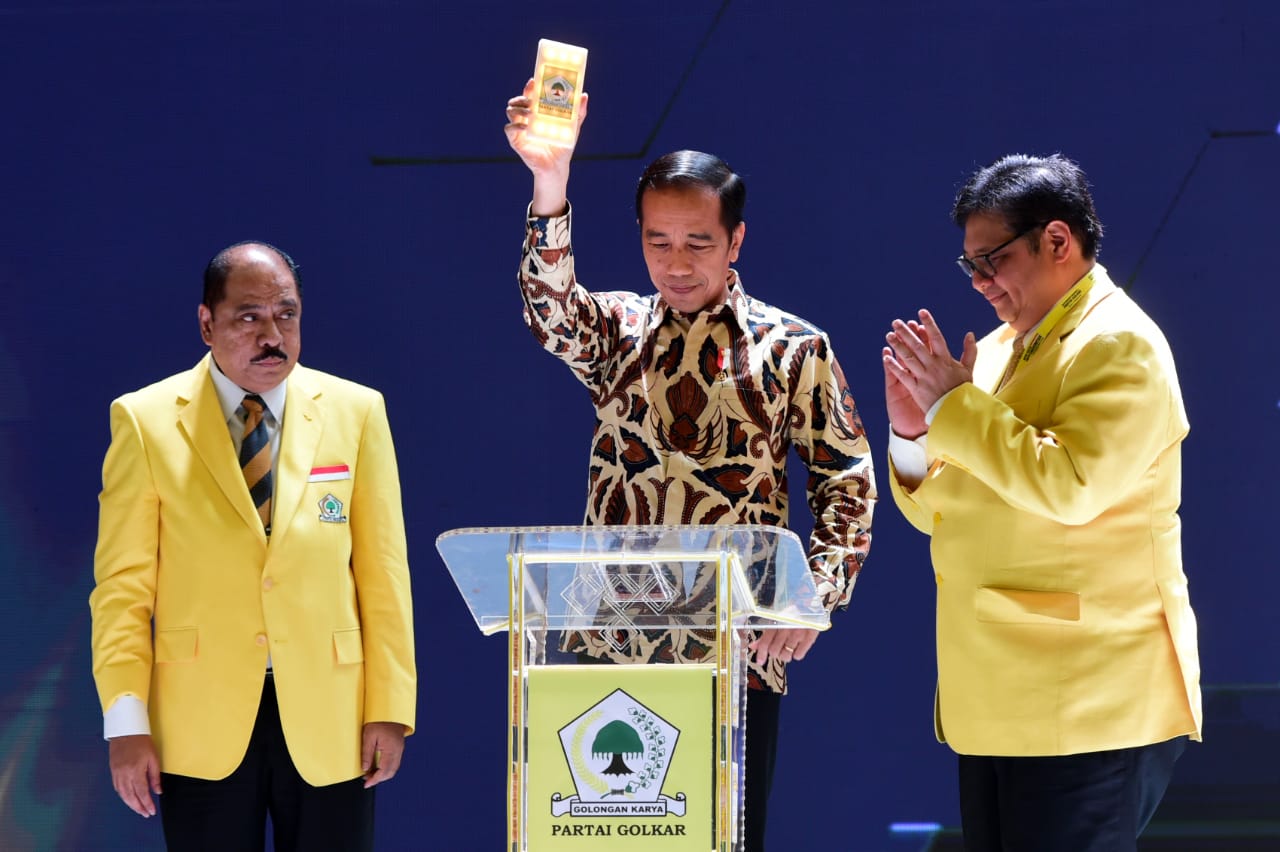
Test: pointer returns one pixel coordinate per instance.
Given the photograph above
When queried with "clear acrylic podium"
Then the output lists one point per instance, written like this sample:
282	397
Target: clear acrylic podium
720	580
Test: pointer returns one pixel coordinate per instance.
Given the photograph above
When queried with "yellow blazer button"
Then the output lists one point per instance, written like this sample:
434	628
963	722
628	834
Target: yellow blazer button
937	578
261	639
937	517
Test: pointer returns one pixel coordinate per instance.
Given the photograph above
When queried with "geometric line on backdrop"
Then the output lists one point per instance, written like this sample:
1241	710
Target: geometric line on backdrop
1177	196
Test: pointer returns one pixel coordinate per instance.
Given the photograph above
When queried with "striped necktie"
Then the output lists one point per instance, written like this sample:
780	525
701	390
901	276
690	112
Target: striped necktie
255	456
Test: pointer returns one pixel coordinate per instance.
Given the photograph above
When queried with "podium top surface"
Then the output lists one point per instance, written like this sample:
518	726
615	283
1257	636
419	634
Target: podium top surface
633	577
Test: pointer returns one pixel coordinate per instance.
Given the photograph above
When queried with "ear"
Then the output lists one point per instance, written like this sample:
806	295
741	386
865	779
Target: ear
1058	240
206	324
735	241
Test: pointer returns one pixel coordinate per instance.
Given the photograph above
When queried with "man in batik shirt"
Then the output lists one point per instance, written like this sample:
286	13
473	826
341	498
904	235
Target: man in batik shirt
700	391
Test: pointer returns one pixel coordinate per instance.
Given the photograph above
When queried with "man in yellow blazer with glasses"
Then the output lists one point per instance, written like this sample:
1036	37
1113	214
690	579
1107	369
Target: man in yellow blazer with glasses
252	626
1045	464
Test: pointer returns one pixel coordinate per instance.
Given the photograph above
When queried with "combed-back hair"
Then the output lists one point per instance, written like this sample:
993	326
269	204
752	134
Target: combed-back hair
694	169
1027	191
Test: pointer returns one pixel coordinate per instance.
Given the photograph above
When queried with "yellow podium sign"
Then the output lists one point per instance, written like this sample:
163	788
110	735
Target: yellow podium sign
619	758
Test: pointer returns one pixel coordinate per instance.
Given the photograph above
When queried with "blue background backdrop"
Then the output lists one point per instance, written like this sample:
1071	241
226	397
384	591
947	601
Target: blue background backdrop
137	138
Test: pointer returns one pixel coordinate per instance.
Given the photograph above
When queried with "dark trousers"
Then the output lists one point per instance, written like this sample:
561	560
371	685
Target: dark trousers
762	749
230	815
1095	802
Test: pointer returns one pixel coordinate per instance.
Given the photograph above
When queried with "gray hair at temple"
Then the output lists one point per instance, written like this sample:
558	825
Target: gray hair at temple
1027	191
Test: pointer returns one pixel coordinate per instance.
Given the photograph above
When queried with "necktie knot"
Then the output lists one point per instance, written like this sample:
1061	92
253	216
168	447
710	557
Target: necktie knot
253	406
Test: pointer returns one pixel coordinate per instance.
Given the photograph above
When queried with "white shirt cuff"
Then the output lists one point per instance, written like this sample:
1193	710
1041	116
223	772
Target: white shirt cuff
127	716
910	458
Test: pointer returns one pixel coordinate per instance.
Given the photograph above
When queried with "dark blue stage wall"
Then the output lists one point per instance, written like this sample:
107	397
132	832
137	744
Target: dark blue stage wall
140	137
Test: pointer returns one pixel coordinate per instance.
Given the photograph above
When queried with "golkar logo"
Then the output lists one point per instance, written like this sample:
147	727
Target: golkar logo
331	510
619	752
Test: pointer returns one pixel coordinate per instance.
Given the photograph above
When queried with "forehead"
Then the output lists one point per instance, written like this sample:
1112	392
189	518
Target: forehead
683	208
261	276
985	231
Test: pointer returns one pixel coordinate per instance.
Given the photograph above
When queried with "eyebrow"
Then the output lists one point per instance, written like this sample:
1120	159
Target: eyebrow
706	237
257	306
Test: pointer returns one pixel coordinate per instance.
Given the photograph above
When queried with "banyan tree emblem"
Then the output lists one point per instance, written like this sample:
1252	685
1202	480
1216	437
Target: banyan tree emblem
619	752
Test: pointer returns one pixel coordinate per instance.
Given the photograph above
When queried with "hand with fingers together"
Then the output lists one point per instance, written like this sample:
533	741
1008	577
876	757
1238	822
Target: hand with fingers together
919	370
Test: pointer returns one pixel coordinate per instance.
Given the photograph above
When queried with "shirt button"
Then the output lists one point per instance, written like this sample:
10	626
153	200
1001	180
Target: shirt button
268	583
261	639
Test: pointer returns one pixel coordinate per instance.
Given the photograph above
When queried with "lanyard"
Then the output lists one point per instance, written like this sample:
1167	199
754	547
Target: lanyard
1069	301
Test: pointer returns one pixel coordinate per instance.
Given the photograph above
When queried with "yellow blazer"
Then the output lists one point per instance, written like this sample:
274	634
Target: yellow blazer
1063	622
181	546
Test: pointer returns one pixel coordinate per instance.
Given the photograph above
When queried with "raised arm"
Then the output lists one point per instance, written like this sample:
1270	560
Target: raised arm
548	163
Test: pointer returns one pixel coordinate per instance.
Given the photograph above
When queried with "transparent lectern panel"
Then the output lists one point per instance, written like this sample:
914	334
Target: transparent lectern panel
633	577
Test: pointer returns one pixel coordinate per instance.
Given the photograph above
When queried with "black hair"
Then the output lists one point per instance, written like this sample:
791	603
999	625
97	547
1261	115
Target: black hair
686	169
1027	191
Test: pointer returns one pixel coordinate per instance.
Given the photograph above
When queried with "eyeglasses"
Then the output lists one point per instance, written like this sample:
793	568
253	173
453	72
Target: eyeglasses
985	264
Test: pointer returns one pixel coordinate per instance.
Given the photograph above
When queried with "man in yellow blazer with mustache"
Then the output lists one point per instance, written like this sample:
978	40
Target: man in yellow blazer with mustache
1045	463
252	626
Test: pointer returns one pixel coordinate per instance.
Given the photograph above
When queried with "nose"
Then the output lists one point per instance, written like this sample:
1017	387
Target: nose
980	281
681	262
269	333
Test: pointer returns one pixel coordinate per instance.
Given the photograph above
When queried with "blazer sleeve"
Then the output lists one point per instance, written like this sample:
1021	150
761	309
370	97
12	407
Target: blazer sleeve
1117	409
124	565
909	501
380	565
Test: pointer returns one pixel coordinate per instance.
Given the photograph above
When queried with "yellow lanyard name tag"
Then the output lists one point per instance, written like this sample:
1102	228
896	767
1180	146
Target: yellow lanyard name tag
1069	301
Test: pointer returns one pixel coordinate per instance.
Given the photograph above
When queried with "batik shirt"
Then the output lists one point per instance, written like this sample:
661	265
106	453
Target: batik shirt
695	415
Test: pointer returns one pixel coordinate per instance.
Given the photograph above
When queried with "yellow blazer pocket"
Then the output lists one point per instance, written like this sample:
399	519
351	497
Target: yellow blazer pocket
177	645
348	647
1026	606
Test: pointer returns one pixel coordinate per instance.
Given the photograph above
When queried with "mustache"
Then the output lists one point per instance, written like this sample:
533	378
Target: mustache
269	352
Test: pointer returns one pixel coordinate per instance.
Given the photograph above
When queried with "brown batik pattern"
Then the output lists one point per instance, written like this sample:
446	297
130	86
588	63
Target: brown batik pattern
694	420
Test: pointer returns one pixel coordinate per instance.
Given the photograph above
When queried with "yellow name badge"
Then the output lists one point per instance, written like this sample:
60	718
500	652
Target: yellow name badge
557	77
620	758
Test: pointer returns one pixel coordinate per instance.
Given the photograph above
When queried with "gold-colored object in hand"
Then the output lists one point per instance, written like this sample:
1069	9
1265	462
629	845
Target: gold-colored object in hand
558	77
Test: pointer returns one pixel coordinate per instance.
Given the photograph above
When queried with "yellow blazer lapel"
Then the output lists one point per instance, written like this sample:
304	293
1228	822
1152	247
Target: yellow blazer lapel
299	441
200	419
989	368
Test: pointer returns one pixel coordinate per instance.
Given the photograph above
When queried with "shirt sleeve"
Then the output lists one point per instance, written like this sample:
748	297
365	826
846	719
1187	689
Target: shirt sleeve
841	487
578	327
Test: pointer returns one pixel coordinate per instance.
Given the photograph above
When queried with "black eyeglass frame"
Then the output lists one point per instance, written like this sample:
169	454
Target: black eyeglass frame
970	265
